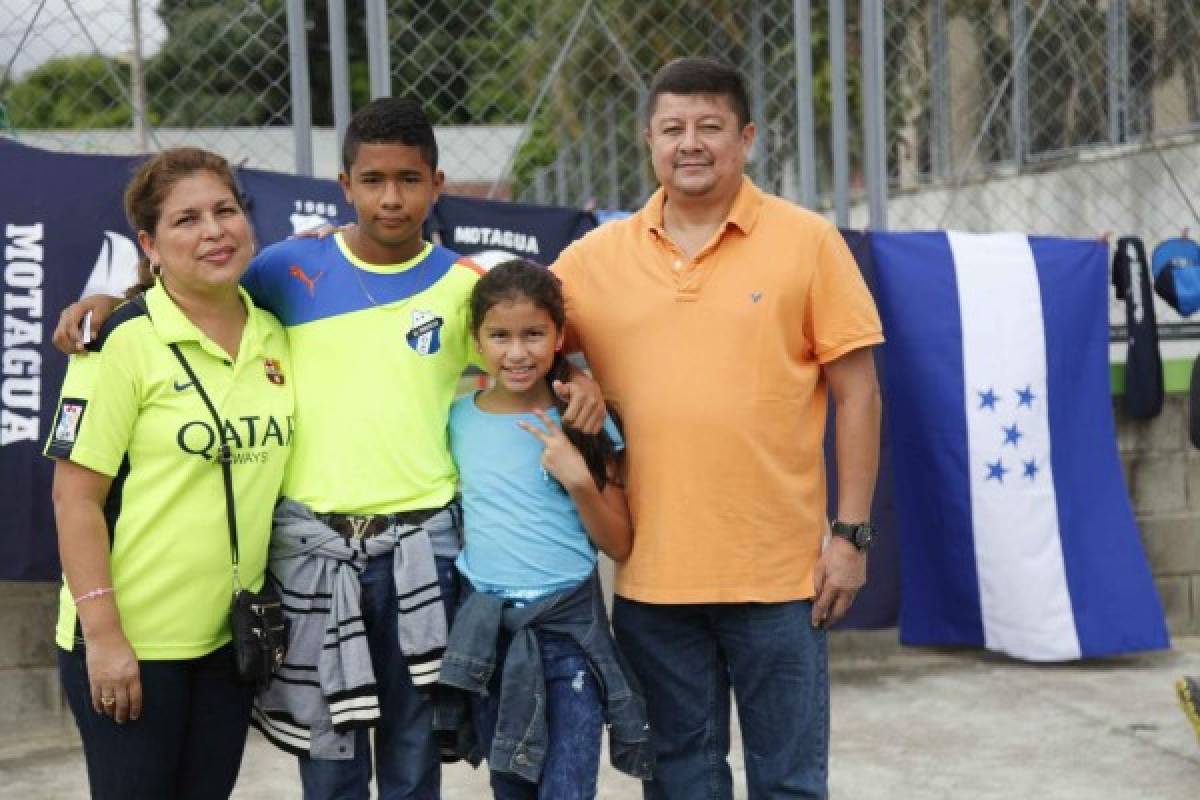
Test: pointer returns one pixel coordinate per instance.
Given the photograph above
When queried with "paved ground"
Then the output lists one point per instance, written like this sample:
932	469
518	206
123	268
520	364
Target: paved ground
907	724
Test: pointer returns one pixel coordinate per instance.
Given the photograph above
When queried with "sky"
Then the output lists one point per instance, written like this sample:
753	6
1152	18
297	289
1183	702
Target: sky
54	29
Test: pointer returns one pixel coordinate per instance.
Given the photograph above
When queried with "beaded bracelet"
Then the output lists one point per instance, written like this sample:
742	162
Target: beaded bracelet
93	594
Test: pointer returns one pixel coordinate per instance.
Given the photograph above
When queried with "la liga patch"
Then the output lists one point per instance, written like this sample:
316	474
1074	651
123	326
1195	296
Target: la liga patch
66	426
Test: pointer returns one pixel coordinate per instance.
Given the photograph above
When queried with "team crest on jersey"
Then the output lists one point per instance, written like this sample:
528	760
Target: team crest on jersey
274	371
425	335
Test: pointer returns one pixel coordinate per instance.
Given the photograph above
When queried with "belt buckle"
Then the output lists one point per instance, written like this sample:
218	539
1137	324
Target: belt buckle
353	526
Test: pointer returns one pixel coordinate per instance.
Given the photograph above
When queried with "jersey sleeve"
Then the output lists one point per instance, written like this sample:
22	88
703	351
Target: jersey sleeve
252	279
842	315
93	424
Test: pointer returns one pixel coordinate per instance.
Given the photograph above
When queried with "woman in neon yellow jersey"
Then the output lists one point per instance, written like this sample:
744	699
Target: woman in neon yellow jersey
143	627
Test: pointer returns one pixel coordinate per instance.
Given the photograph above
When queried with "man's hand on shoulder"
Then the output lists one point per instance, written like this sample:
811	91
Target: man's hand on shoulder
68	335
321	231
838	575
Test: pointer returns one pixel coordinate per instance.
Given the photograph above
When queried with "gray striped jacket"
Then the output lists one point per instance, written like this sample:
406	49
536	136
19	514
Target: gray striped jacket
326	686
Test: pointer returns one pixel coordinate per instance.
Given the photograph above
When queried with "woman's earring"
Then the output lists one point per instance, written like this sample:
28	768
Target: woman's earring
155	269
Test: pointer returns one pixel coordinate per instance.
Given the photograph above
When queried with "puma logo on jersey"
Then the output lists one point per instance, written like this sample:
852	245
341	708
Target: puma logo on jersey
302	276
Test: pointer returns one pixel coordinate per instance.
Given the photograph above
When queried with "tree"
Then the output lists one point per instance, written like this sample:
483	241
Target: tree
75	92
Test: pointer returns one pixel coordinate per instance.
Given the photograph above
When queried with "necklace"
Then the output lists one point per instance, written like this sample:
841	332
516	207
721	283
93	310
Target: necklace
367	292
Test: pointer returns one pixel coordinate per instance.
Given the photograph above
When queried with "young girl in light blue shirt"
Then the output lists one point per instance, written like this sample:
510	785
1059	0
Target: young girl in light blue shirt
538	500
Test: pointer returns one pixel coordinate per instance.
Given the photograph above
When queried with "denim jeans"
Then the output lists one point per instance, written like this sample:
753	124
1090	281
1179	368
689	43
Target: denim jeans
187	744
407	765
574	719
687	658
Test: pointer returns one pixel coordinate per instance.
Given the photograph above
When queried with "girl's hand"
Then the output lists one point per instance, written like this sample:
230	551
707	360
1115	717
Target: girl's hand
114	677
559	456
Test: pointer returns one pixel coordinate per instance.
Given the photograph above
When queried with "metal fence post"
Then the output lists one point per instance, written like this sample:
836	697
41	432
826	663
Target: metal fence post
301	99
840	122
758	94
939	94
137	76
611	154
874	118
379	66
644	187
561	192
806	153
1116	70
339	69
1020	84
588	195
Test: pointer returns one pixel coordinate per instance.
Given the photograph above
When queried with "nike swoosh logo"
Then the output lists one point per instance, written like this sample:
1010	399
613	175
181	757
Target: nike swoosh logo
179	387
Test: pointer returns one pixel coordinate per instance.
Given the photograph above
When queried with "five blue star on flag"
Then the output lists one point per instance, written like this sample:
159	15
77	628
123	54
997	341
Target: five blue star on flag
988	401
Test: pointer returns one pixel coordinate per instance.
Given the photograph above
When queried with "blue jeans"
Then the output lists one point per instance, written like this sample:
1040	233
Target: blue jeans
407	765
188	742
574	719
687	658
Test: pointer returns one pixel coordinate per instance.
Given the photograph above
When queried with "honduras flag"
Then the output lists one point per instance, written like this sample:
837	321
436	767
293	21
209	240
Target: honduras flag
1016	530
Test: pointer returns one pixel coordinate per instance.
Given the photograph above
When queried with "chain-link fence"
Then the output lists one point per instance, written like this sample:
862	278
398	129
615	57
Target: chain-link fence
123	76
1070	117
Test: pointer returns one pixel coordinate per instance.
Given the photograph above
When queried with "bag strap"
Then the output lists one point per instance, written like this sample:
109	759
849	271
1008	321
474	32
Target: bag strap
224	457
224	453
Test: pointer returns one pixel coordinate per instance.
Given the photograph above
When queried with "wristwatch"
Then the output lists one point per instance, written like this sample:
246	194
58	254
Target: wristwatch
859	534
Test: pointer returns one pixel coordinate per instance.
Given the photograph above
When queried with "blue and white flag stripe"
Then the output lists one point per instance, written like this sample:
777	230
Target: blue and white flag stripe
1014	511
1017	533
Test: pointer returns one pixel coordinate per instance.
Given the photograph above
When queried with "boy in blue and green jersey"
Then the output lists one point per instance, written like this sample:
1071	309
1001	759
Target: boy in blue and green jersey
377	318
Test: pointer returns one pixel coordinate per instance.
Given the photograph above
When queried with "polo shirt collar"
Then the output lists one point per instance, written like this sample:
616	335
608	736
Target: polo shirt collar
173	326
742	215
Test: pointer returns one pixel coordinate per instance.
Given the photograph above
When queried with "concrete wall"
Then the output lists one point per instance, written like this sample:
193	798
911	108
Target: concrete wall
1162	471
28	676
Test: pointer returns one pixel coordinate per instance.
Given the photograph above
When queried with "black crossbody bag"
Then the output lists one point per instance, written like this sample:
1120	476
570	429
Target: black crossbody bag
256	618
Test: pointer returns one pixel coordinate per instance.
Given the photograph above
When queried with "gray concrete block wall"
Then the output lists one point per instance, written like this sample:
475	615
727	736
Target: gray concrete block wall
1162	472
28	675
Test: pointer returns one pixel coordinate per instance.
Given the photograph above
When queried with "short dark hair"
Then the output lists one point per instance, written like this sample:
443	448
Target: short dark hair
700	75
390	120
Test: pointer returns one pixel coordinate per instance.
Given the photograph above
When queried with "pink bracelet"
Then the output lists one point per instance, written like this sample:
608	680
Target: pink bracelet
93	594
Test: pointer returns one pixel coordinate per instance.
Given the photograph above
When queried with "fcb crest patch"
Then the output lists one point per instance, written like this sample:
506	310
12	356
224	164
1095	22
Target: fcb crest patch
66	426
425	335
274	371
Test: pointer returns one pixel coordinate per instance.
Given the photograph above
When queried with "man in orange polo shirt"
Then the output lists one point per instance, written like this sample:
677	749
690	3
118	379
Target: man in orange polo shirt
718	319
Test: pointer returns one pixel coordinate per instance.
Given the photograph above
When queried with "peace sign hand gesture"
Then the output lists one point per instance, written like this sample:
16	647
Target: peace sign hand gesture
559	456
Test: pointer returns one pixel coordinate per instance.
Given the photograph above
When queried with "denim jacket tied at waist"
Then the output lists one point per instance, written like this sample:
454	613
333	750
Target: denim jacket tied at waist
519	746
